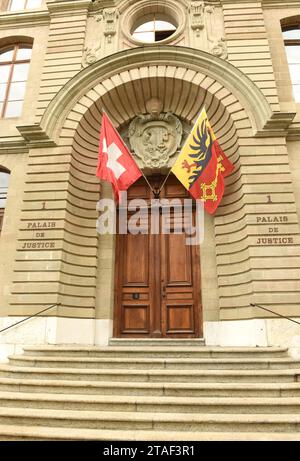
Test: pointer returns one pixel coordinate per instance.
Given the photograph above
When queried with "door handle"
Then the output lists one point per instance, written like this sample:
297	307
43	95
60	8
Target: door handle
163	291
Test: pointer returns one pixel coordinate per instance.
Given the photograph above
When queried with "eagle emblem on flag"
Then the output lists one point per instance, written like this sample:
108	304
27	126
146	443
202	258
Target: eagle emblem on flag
202	165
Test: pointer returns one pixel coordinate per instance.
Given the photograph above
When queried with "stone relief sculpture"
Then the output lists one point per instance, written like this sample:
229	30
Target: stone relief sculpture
155	137
91	55
108	17
219	48
207	25
197	15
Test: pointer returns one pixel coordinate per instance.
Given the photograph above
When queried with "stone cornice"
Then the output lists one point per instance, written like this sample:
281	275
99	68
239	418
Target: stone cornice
280	4
277	125
24	18
34	136
266	3
294	132
68	6
13	145
101	4
235	3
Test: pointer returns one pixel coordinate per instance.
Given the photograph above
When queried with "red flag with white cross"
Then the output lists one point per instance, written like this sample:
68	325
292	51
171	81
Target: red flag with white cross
115	163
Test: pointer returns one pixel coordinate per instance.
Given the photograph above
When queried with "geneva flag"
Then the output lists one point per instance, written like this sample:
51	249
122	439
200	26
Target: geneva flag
202	165
115	163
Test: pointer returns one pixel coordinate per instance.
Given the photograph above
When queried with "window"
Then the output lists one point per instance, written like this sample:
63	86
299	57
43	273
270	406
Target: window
153	21
4	179
16	5
153	31
291	36
14	66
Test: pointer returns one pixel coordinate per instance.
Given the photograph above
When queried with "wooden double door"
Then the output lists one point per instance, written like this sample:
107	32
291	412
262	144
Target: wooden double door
157	275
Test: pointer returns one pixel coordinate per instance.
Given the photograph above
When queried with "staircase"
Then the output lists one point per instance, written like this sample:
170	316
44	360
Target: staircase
150	390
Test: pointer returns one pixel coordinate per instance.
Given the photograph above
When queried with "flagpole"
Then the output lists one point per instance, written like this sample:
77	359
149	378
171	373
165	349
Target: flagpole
165	180
146	179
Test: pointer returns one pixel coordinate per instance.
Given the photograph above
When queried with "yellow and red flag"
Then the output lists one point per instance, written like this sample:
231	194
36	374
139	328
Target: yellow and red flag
202	165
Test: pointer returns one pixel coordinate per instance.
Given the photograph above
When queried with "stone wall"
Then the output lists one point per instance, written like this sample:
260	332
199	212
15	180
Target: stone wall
83	61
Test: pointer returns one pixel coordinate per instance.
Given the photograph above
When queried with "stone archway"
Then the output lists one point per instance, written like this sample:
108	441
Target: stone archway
183	79
183	96
182	91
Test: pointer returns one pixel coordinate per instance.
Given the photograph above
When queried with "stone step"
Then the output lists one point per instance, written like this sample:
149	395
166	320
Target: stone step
209	376
150	421
163	352
123	342
154	363
151	388
10	433
147	404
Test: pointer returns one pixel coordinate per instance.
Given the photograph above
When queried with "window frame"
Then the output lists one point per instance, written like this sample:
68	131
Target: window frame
166	10
15	47
154	30
9	3
291	42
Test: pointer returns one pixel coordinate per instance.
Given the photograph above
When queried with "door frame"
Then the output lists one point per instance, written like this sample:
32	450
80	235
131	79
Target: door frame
117	311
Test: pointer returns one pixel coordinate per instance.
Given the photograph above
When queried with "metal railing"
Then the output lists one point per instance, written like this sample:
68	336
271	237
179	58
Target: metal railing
279	315
30	317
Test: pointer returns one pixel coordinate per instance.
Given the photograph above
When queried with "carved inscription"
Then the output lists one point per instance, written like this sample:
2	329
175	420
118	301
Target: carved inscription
38	245
39	227
273	240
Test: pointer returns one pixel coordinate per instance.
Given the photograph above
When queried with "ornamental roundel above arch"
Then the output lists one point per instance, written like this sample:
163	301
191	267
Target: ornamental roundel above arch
218	78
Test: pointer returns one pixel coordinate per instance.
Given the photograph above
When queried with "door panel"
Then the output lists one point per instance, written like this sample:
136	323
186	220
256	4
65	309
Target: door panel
179	279
177	260
136	274
136	319
157	287
134	284
179	319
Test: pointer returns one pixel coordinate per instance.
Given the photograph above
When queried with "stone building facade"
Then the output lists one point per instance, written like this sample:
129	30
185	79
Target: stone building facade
232	57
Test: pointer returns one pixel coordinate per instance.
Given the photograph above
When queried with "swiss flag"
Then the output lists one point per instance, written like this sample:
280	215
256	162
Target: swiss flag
115	163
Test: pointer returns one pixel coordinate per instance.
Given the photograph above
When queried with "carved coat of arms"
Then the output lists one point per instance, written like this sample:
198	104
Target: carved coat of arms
154	139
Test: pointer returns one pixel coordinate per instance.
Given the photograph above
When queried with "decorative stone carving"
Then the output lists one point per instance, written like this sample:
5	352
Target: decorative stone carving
98	16
155	137
217	45
91	55
207	26
219	48
110	16
96	5
197	15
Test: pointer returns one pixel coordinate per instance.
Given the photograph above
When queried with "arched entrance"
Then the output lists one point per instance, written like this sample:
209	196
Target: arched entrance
184	80
157	275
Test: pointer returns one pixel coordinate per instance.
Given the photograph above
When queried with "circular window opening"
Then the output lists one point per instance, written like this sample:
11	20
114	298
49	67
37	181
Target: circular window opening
153	31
